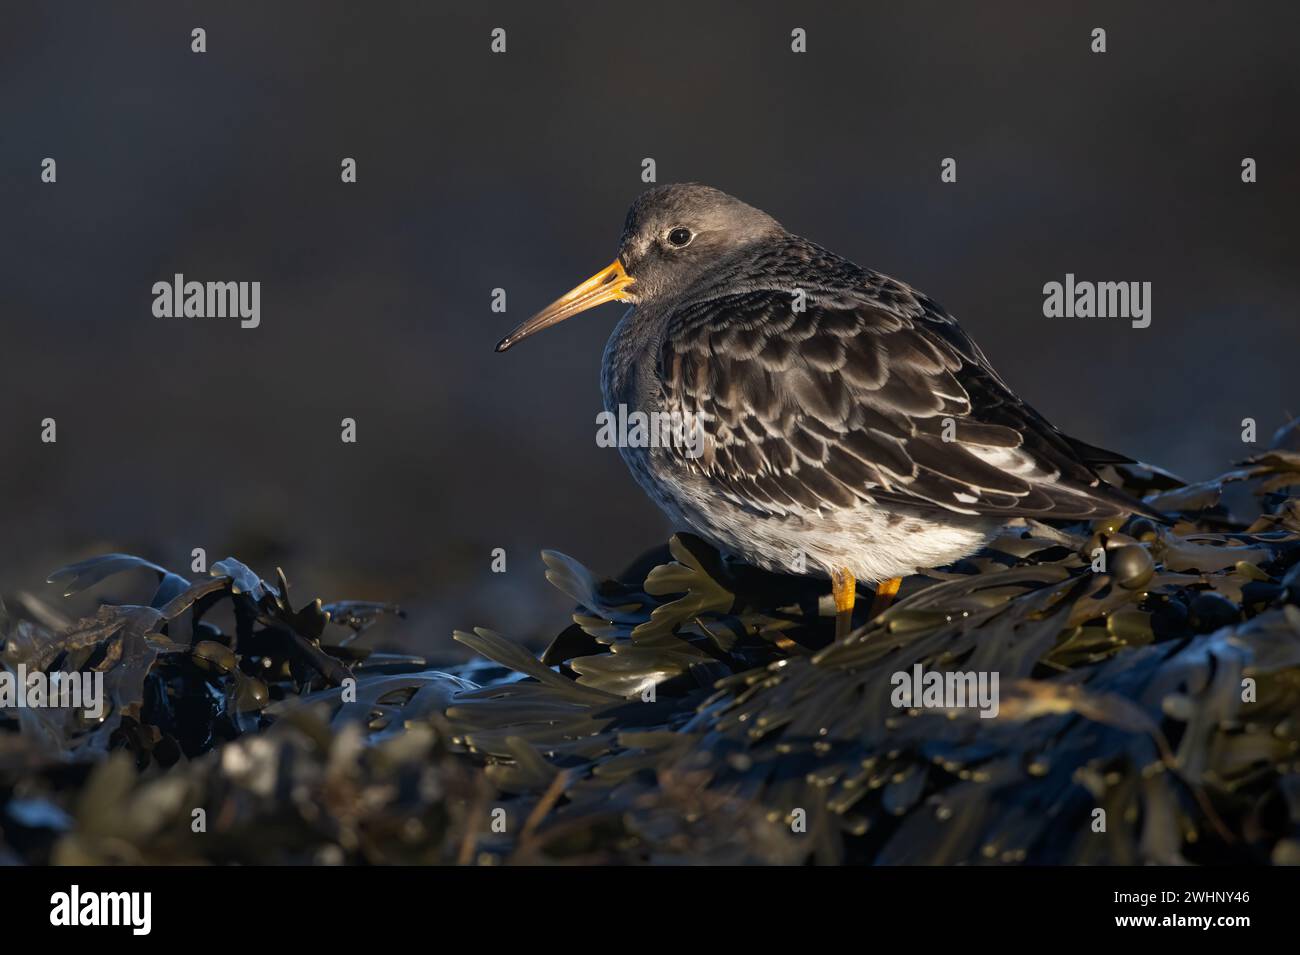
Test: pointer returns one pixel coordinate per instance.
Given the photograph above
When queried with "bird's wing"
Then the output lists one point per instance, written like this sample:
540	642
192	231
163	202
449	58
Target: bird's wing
874	396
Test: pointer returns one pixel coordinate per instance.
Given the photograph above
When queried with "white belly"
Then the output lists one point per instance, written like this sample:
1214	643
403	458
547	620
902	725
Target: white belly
871	541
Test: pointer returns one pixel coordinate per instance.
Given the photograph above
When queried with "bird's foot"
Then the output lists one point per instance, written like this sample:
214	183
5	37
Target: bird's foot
845	590
886	591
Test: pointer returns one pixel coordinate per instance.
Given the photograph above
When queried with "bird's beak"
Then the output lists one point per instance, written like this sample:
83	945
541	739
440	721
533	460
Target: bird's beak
607	285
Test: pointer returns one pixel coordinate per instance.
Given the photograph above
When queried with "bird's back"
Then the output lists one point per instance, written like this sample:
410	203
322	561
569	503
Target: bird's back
821	386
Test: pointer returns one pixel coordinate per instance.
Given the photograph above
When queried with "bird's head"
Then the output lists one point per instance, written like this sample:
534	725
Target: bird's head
673	235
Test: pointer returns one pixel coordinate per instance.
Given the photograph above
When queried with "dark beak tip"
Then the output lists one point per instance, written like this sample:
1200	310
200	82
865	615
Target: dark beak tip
503	345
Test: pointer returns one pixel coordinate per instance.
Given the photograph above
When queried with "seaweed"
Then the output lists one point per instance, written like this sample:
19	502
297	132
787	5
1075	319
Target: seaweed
699	710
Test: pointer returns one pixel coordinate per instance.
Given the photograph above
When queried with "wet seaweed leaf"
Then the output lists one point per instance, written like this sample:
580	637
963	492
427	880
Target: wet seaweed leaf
87	573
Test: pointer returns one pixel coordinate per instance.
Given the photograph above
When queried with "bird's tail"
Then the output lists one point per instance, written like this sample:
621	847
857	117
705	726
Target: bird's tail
1122	499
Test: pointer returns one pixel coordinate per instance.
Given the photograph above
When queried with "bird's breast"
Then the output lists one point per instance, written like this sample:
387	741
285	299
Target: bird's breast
629	368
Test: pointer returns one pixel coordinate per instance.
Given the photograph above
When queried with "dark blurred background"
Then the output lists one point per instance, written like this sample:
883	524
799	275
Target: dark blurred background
479	170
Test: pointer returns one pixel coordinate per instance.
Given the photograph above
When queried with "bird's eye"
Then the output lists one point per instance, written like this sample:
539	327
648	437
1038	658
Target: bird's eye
680	237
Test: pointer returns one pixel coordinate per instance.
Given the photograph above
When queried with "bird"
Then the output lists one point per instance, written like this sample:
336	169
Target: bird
847	428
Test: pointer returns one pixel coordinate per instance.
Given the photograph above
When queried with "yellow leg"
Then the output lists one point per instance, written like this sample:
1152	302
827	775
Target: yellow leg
845	589
886	590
